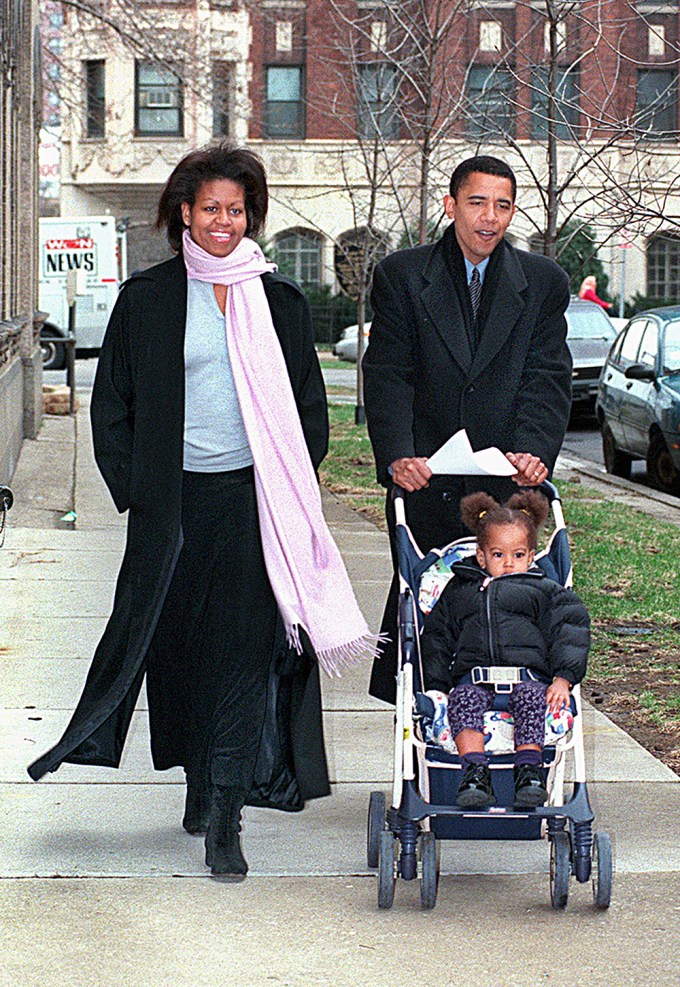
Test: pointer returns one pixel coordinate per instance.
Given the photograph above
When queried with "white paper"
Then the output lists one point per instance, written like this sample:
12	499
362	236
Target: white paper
456	457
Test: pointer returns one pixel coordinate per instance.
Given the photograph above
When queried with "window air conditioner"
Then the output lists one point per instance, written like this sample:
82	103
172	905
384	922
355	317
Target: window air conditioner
160	99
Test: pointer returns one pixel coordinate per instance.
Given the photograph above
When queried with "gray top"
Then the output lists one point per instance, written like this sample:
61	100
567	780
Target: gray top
214	434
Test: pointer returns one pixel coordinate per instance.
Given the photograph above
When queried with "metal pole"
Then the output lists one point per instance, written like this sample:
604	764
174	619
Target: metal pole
622	292
359	410
70	349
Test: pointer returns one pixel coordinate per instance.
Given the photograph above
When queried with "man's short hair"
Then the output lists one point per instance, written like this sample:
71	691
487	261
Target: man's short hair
486	165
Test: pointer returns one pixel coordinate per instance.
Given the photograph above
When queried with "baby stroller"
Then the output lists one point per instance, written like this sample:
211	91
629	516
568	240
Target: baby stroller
403	839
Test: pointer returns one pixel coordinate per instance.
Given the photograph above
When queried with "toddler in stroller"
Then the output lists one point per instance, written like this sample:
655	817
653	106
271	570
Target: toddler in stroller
502	627
500	610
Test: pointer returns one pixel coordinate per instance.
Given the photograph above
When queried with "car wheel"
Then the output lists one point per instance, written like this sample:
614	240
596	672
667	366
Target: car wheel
661	471
615	462
53	353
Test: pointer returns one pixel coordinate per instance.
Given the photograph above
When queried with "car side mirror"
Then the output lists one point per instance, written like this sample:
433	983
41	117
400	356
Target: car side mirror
638	371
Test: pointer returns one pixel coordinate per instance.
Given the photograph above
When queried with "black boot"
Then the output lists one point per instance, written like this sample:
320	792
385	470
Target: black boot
222	845
196	806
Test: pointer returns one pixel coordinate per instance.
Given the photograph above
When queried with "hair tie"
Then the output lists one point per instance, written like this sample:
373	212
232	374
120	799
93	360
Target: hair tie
481	514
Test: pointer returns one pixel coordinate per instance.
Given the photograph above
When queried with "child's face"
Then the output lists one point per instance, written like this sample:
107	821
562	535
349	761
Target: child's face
506	550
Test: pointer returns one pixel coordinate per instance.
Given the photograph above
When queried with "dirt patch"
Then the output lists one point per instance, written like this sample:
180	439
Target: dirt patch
637	685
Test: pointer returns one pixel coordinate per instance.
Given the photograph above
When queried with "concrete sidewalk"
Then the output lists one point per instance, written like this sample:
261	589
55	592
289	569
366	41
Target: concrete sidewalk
146	911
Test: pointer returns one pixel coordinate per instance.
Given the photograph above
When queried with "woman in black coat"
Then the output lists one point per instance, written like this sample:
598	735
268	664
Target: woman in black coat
218	597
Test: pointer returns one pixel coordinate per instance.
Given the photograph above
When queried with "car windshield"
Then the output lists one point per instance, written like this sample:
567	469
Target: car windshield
671	350
589	324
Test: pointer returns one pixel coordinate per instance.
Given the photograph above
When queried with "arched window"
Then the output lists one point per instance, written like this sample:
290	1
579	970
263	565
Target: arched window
298	254
356	254
663	266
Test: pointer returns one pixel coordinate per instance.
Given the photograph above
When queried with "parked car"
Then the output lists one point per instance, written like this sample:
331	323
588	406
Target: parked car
346	346
638	401
589	336
618	323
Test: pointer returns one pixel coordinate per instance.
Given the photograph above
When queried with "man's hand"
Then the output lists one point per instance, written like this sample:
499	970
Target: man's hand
557	695
530	470
411	474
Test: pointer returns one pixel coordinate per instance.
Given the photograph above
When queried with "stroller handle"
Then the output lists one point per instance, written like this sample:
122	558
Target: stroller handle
398	498
547	487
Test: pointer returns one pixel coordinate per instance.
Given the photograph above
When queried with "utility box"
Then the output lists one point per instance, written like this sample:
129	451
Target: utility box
91	247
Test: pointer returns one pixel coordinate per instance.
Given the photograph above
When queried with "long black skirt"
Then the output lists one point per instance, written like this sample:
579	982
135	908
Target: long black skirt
209	661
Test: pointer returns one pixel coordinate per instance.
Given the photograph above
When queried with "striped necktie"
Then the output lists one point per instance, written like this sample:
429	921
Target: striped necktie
475	287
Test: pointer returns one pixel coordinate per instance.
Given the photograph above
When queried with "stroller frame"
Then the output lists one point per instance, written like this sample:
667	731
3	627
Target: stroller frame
400	839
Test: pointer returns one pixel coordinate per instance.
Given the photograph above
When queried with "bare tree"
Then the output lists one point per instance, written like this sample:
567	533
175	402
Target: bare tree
565	86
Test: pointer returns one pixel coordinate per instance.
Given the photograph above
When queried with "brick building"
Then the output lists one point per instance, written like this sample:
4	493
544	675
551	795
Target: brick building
360	110
20	362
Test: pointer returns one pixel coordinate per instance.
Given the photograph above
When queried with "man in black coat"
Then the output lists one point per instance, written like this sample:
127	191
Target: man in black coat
467	333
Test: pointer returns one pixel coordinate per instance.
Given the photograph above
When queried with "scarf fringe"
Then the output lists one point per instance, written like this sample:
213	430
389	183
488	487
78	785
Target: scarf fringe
364	648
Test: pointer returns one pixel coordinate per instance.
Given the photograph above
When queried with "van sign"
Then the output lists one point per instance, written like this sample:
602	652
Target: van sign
89	249
61	256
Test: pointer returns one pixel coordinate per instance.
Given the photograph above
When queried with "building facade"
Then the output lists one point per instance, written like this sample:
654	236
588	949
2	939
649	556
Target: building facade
360	112
20	362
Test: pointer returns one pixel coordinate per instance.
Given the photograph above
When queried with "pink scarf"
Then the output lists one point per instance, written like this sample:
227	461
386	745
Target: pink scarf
304	566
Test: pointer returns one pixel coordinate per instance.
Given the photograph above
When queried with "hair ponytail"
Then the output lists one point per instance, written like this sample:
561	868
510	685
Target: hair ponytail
529	508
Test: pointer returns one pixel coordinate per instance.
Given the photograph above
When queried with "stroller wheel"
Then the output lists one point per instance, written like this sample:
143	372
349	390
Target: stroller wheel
559	869
429	881
386	875
376	825
602	870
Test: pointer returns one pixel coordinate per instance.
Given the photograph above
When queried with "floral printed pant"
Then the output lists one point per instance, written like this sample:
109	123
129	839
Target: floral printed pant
469	703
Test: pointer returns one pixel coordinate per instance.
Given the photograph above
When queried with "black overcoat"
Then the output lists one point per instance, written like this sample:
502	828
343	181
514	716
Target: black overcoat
423	382
138	428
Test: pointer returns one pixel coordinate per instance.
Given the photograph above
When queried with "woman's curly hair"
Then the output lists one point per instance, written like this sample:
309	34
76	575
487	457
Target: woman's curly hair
214	161
529	508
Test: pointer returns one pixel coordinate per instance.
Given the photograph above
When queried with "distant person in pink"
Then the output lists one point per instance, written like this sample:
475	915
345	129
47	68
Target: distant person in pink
588	291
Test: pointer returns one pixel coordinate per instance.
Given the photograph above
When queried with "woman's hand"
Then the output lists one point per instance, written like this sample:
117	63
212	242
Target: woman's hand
530	470
411	473
557	695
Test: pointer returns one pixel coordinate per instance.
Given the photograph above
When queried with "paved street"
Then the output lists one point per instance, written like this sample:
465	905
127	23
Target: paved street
134	904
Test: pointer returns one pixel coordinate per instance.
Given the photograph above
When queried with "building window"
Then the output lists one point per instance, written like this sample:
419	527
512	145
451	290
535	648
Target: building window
95	94
657	104
356	253
298	254
377	111
490	36
656	40
221	98
491	98
663	267
158	101
378	35
561	36
565	107
284	35
284	106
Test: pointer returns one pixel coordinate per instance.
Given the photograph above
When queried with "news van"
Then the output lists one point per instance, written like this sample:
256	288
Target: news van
90	246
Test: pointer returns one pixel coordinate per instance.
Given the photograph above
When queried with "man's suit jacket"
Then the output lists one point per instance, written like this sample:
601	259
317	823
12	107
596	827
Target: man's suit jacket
423	382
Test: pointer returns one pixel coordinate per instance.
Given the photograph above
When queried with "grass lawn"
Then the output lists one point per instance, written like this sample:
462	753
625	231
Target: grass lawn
625	571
